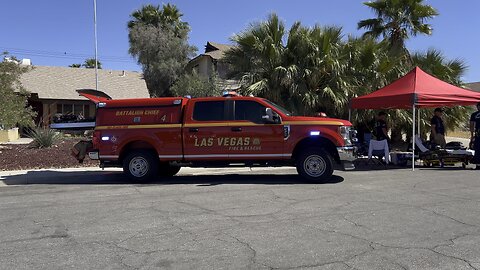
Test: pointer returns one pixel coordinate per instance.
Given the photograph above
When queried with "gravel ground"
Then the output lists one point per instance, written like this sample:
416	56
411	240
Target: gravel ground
24	157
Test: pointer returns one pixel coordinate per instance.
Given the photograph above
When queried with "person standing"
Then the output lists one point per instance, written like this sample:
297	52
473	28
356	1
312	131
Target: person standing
475	135
380	127
438	128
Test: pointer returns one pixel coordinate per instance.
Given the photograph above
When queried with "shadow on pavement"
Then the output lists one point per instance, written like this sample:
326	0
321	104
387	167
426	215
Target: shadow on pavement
447	168
265	179
109	177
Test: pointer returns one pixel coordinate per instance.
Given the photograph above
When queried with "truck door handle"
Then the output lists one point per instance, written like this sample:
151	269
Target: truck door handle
193	129
236	129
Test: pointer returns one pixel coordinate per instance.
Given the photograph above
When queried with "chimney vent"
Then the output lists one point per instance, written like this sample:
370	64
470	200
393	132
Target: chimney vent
26	62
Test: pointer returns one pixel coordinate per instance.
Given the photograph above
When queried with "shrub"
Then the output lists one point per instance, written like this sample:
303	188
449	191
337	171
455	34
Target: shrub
43	137
194	85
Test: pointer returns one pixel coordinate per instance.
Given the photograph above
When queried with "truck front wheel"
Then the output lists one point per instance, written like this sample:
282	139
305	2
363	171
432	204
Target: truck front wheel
315	164
140	166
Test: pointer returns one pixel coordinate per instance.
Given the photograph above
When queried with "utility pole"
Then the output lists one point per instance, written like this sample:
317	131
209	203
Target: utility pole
96	49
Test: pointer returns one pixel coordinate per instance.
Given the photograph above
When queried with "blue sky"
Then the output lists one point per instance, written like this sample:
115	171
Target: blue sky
60	32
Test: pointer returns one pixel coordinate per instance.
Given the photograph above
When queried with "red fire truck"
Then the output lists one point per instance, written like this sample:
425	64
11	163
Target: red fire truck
155	137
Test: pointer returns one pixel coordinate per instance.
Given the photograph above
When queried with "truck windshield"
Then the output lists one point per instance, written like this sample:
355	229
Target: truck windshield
278	107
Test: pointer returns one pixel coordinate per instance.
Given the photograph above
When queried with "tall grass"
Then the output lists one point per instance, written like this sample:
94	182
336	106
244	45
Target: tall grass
44	137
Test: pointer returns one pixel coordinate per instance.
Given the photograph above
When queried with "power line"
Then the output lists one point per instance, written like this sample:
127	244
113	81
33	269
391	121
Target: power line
64	55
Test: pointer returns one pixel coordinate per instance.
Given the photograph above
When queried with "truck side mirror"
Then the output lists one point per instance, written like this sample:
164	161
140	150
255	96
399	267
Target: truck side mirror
271	117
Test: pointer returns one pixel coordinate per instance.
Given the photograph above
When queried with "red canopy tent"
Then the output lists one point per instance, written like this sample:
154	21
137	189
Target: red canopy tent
417	89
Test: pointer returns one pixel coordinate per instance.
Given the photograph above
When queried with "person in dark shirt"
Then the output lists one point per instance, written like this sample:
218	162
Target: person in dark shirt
438	128
380	128
475	135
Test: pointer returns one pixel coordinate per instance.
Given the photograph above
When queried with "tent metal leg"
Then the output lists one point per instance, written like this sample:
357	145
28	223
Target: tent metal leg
419	130
413	138
350	115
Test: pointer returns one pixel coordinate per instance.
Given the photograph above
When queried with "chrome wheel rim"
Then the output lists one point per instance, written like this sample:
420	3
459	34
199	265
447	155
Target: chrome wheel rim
315	165
138	166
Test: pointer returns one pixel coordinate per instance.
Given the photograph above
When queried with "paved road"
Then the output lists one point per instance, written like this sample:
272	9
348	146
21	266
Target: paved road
264	219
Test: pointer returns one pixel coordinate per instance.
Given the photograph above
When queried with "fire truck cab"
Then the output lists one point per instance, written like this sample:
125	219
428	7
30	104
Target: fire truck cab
155	137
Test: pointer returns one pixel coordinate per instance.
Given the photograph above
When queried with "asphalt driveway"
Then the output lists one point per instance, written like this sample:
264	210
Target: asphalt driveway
241	219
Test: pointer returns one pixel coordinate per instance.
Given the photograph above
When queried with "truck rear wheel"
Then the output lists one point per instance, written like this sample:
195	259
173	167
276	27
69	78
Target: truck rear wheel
141	166
315	165
167	170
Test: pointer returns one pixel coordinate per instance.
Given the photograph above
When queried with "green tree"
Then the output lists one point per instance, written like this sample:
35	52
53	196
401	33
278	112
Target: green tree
435	63
191	84
257	59
169	17
300	69
159	40
77	65
315	68
307	68
397	20
90	63
13	96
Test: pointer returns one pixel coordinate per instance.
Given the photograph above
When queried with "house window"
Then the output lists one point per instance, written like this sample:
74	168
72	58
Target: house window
75	109
86	111
67	109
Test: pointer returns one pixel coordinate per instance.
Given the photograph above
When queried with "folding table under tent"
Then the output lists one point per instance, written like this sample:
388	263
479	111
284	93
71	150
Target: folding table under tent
417	89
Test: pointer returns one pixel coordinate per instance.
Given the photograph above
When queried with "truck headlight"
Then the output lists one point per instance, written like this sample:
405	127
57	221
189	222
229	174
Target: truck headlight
349	134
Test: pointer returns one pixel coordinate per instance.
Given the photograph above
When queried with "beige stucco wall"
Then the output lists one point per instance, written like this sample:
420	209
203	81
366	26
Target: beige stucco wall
203	65
9	135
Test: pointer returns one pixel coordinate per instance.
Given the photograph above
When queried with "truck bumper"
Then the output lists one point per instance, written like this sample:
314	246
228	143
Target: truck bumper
347	155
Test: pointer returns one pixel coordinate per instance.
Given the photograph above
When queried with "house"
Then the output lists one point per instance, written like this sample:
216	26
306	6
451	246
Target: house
53	89
475	86
212	62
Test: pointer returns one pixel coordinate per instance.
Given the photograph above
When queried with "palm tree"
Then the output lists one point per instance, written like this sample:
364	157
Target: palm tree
397	20
257	58
371	67
159	41
434	62
315	68
148	15
301	70
90	63
168	16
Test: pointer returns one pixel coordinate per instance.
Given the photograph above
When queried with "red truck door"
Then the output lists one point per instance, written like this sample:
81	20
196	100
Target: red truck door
206	129
255	138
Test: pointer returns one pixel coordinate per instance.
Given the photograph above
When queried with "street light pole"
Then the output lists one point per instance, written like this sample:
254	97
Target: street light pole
96	49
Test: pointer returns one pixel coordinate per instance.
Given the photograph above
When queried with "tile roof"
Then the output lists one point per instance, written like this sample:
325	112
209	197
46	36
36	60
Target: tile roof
62	82
475	86
216	50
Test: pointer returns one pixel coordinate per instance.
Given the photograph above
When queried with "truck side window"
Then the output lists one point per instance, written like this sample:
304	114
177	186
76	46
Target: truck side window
209	111
249	110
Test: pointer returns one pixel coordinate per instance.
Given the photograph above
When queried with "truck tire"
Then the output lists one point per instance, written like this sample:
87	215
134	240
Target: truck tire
167	170
141	166
315	164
